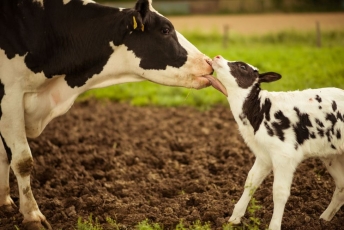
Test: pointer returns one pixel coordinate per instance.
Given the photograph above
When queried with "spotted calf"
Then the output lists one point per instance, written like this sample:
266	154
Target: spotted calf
282	129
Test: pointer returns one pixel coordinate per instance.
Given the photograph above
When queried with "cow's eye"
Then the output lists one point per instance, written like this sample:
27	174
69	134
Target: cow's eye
165	31
243	67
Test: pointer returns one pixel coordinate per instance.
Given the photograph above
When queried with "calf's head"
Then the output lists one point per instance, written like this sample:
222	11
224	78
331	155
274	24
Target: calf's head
165	56
237	74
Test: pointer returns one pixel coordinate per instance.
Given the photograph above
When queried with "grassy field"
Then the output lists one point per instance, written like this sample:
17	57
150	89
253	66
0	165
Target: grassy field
292	54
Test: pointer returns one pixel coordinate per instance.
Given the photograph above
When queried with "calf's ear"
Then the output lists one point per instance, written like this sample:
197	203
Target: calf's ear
269	77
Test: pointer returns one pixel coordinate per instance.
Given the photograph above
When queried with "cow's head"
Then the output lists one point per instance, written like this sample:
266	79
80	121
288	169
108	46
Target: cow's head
163	55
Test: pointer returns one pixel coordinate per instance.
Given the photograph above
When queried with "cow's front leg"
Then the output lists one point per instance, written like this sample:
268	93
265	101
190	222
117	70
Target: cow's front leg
13	135
255	177
6	203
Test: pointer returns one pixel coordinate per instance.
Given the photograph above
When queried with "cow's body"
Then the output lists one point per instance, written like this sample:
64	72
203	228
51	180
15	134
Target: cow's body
51	51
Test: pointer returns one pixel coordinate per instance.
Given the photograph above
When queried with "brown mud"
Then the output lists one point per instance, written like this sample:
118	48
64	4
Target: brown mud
161	164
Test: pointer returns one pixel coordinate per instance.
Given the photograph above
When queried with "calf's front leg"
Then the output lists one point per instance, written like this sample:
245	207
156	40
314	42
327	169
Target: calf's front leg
255	177
283	168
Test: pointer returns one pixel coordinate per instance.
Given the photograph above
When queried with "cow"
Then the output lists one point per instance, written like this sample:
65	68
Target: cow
51	51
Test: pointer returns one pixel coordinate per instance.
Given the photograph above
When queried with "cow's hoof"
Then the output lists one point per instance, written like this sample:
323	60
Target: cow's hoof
36	225
11	208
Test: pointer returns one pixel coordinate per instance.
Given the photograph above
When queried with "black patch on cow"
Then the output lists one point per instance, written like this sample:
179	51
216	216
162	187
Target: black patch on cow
334	106
252	109
301	127
338	134
2	94
318	98
268	129
244	75
281	124
320	107
155	49
58	41
332	146
7	149
319	123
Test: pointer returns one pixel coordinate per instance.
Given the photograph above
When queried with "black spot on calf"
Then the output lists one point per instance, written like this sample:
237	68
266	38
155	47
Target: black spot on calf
320	132
319	123
339	116
269	129
282	124
253	111
301	127
338	134
318	98
334	106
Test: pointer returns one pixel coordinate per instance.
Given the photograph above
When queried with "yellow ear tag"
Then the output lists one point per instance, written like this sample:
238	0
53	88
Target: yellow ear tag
135	23
143	27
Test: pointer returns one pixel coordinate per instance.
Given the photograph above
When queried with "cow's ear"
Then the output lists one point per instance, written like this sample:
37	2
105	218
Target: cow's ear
143	7
269	77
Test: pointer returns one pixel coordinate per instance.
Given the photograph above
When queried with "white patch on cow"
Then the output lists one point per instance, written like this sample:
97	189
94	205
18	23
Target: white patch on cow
126	67
65	2
121	9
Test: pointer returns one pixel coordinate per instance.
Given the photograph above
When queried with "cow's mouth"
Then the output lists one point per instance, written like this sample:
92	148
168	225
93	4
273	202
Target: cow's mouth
216	84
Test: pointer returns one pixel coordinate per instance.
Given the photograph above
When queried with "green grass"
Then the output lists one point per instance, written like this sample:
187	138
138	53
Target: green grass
292	54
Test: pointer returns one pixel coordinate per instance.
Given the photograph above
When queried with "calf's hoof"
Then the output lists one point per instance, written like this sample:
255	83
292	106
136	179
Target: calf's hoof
37	225
234	220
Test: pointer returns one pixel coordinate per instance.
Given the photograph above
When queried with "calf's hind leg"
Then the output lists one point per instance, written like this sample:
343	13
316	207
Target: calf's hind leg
335	166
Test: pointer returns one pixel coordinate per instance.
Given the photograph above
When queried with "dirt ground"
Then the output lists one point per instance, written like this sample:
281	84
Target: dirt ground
162	164
259	23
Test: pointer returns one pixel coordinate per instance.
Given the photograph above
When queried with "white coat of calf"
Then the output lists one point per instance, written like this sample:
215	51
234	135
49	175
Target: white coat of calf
282	129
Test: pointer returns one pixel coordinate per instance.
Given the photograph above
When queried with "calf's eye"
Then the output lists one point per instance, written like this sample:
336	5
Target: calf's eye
165	31
243	67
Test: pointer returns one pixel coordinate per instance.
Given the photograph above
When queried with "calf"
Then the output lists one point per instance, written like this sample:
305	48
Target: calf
282	129
51	51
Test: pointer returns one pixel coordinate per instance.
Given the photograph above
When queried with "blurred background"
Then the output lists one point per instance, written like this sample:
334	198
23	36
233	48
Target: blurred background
187	7
303	40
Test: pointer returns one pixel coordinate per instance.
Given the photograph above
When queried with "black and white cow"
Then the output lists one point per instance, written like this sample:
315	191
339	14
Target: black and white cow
282	129
51	51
